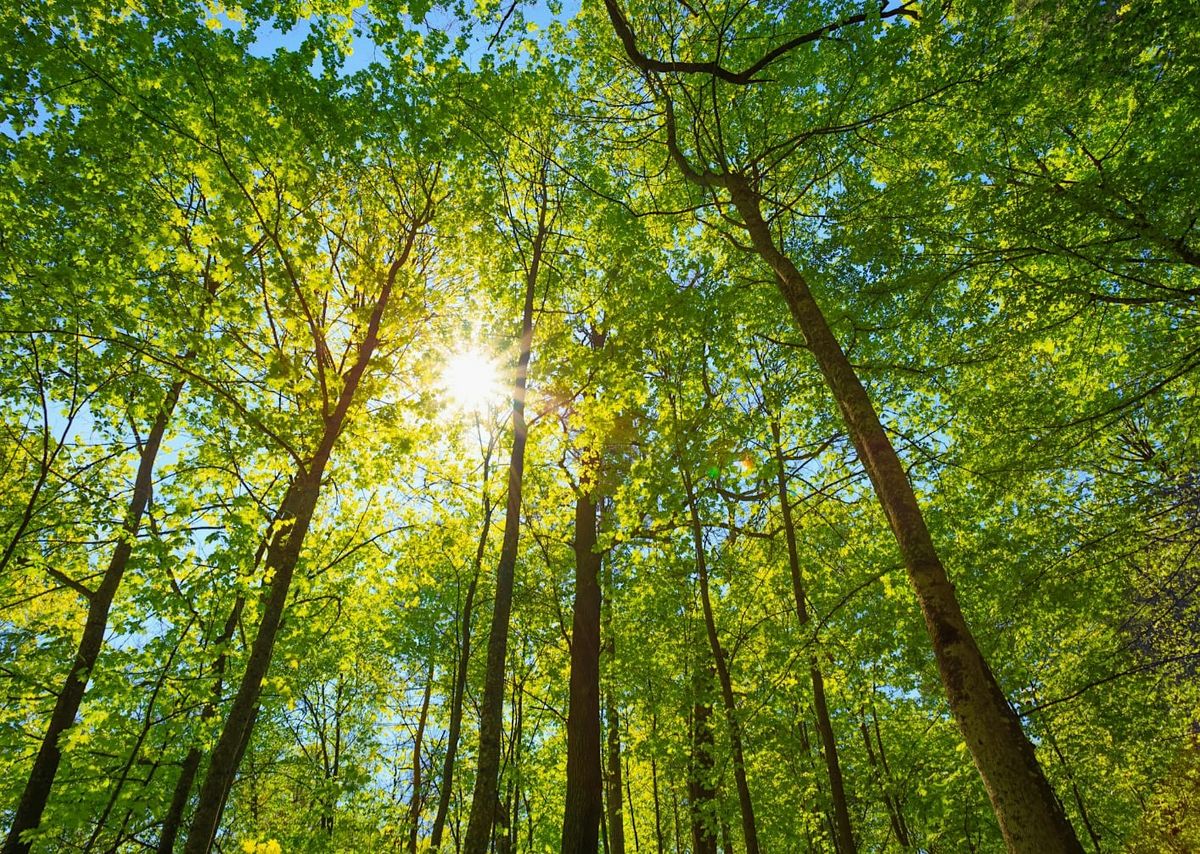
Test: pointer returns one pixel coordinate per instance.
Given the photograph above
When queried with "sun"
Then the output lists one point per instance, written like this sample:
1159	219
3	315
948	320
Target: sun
471	381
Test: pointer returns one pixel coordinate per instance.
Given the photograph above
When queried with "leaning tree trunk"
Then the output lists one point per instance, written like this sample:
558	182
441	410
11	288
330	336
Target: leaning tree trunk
584	786
283	554
1030	815
844	836
749	828
173	821
491	713
45	765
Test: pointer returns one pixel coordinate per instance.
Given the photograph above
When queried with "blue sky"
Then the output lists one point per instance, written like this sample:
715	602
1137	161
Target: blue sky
364	51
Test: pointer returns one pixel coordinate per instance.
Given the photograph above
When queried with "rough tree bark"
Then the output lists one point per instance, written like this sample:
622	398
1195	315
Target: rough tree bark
1030	815
615	818
613	797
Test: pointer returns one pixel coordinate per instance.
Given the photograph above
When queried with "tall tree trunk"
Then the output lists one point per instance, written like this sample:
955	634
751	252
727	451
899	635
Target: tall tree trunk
584	786
191	763
283	553
459	691
658	831
491	713
844	838
414	807
702	790
1030	815
637	845
282	556
879	767
749	828
45	765
614	815
613	797
173	820
675	816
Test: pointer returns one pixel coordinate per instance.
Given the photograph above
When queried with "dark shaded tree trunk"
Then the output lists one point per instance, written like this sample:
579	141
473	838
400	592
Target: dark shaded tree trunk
584	786
749	828
45	764
614	815
844	836
658	831
613	797
637	845
418	797
491	713
702	790
882	778
1030	815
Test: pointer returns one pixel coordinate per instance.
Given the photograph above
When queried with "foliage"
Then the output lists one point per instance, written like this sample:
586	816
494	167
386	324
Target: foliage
995	205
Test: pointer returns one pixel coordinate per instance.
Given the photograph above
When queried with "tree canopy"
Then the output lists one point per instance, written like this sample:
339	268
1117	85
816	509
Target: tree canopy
649	425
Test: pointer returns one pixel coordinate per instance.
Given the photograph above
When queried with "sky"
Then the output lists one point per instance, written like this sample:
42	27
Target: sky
364	51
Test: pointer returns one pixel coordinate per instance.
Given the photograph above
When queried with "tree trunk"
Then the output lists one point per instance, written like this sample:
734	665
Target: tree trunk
414	807
637	845
844	837
881	777
702	790
45	765
658	831
283	553
584	785
491	713
459	691
191	763
749	828
1030	815
613	797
